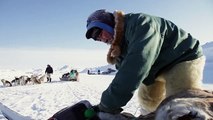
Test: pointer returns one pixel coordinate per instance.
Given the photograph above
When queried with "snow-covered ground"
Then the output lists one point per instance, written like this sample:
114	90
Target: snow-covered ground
41	101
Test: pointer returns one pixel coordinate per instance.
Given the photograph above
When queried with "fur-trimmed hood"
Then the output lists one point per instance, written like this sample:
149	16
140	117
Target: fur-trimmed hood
115	48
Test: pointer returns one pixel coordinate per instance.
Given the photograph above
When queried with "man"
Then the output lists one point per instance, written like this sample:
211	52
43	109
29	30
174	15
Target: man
48	72
151	54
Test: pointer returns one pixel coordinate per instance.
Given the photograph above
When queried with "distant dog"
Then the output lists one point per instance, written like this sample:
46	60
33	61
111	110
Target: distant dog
37	79
34	79
6	83
22	80
15	82
28	80
41	79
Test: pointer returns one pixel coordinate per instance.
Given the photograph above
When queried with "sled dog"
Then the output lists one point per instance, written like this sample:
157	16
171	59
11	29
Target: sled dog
6	83
37	79
22	80
15	82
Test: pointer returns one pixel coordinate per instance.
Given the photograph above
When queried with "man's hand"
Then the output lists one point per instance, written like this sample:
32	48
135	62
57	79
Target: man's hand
101	108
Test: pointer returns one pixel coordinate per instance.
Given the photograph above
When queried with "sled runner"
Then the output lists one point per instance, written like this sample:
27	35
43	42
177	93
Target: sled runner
67	79
12	115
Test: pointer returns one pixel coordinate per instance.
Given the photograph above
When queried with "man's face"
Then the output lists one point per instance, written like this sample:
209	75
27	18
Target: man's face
102	36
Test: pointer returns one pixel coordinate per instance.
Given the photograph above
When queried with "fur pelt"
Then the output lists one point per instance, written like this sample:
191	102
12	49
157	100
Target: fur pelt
186	105
115	48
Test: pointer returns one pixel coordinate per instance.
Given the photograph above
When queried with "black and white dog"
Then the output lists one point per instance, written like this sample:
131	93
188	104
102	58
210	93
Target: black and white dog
6	83
22	80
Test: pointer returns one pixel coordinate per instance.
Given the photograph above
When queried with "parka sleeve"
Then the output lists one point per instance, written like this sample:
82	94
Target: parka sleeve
143	49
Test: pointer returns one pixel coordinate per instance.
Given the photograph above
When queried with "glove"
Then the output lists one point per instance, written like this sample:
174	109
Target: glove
102	108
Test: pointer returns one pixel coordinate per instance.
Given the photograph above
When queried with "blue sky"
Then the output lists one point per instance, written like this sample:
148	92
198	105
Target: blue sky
62	23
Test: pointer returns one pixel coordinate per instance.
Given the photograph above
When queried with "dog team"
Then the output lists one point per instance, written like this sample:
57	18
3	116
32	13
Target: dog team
24	80
33	79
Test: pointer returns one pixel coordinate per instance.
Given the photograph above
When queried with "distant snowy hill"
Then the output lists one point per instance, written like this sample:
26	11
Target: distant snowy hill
208	70
208	45
100	68
64	69
208	51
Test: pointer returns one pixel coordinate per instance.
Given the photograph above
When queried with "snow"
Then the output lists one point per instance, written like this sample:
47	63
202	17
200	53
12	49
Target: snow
41	101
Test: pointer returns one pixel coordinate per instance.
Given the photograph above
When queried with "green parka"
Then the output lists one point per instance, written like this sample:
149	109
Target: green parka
148	46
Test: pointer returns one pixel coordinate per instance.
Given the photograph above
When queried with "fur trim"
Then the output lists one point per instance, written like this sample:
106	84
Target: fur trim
115	48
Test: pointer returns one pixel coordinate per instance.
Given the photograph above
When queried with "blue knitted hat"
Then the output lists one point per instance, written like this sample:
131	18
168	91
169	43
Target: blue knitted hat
100	19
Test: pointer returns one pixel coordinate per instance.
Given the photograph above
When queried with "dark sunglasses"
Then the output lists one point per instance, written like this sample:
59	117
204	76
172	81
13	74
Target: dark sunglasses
95	33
